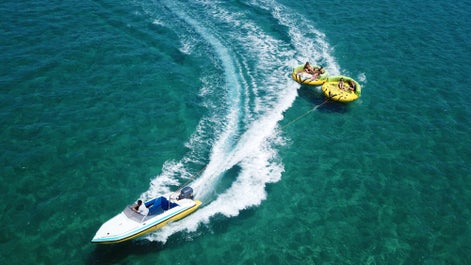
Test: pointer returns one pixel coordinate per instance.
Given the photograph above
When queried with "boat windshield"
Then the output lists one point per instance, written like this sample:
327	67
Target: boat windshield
132	214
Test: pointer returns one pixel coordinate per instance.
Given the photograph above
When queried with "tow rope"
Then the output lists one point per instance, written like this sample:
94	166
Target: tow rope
305	114
284	126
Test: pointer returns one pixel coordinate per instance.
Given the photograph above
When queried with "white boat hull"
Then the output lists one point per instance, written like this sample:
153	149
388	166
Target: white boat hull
129	224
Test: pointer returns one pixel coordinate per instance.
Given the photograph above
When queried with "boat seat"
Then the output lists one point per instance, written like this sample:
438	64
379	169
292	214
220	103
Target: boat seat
159	205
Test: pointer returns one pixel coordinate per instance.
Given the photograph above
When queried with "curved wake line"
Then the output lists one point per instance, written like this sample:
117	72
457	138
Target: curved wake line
259	165
253	105
301	30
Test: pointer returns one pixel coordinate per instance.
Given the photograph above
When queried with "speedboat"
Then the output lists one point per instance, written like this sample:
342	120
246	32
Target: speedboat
130	224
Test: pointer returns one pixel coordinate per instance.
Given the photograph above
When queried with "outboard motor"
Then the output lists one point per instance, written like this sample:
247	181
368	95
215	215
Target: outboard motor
186	193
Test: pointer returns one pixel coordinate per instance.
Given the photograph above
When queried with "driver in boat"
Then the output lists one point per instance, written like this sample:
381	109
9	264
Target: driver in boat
140	208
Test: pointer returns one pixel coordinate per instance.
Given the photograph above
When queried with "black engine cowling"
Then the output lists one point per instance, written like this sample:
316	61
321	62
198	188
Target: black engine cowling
186	193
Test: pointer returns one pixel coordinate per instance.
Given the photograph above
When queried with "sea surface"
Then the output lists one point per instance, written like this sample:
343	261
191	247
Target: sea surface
106	102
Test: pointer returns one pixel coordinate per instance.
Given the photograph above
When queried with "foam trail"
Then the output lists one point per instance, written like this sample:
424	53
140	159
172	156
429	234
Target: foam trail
259	164
223	144
310	43
257	92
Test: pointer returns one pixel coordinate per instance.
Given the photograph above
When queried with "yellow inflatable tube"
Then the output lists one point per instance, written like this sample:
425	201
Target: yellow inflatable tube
333	91
304	78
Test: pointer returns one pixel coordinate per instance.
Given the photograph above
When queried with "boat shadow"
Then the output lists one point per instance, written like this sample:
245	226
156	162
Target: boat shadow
118	253
318	100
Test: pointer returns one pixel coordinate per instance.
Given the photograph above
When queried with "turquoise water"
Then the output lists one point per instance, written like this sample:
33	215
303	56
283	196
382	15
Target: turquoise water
105	102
